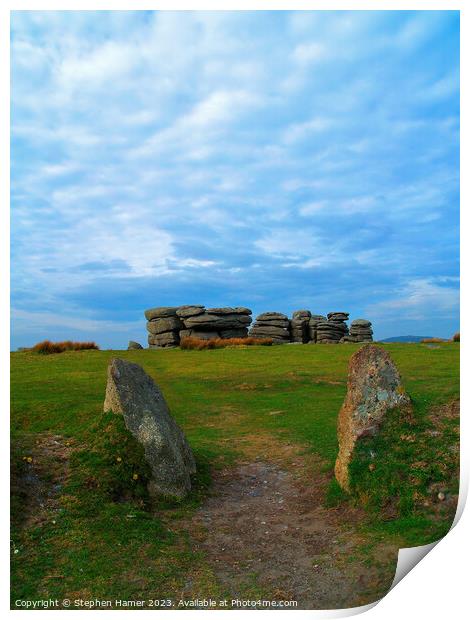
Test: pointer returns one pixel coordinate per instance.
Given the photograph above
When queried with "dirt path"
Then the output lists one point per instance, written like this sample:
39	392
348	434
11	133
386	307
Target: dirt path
265	528
39	484
264	531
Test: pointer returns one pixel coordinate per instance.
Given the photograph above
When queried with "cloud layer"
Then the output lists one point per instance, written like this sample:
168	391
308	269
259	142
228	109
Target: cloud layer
272	159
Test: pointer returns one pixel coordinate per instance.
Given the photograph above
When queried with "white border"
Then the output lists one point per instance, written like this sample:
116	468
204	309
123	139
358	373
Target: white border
438	586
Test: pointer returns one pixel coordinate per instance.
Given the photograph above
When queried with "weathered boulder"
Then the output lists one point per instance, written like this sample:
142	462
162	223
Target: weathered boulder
160	313
134	345
222	311
272	316
374	389
299	326
159	326
167	339
273	325
337	316
234	333
216	322
333	329
312	326
360	331
194	333
186	311
132	393
268	331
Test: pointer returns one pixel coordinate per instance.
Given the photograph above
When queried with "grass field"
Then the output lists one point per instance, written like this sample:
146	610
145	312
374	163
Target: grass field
82	542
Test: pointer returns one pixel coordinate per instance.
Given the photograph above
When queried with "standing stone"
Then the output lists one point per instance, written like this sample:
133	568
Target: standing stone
374	389
132	393
134	345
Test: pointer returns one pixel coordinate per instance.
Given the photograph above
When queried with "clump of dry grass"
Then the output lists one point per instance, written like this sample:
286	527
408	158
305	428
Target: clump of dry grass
456	337
219	343
429	340
46	347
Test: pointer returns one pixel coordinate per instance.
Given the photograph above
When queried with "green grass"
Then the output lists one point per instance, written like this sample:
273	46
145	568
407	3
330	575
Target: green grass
106	542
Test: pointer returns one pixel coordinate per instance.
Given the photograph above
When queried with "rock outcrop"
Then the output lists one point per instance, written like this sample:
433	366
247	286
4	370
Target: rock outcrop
374	390
360	331
168	325
272	325
134	345
300	326
130	392
333	329
163	326
313	322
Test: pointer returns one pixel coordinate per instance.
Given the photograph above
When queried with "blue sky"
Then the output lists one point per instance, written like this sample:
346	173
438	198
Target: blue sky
276	160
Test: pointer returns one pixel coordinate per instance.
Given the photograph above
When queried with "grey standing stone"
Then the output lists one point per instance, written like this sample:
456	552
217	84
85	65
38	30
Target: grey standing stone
133	394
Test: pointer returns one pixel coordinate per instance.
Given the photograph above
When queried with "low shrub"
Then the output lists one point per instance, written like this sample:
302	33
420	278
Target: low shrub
219	343
429	340
456	337
47	347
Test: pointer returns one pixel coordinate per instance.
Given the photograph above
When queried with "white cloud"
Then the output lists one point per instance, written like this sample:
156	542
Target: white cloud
304	131
31	322
417	298
137	137
306	53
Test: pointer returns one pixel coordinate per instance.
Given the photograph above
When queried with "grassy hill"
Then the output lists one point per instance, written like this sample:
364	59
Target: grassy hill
406	339
81	522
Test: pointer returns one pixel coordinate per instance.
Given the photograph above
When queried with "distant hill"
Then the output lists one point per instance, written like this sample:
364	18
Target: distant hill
405	339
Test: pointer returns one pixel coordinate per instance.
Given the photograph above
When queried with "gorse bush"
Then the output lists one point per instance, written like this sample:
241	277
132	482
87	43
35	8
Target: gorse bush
47	347
219	343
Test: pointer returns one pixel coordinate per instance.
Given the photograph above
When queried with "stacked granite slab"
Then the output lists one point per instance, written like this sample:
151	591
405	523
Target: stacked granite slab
299	326
313	322
333	329
272	325
168	325
360	331
214	322
163	325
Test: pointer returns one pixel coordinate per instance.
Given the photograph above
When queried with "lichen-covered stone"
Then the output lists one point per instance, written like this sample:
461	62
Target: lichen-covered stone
374	389
130	392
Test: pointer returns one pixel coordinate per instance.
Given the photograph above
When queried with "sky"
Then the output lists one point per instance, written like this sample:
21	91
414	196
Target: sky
276	160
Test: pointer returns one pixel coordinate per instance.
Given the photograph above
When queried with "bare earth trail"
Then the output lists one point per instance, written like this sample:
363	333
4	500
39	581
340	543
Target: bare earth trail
265	526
